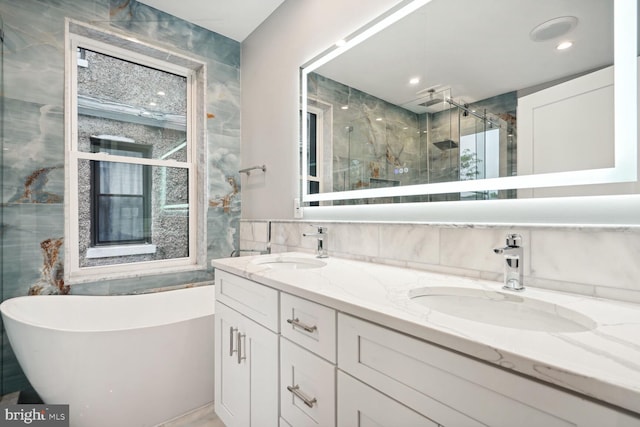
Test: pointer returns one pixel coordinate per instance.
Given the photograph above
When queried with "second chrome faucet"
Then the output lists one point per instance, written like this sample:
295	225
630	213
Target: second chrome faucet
513	262
321	235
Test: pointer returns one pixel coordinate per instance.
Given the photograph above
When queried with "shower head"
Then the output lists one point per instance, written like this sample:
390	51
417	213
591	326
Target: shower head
431	102
446	144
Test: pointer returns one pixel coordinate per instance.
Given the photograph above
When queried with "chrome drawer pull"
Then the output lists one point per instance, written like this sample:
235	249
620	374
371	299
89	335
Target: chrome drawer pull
297	393
296	322
231	333
241	344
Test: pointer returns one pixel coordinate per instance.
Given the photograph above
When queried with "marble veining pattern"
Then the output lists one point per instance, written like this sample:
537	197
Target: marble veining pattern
601	363
33	136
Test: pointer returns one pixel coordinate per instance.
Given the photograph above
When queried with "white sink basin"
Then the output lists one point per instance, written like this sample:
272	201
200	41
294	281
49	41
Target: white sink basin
502	309
289	262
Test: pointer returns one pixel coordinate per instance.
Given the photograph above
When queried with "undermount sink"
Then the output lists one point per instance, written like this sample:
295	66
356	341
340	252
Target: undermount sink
289	263
502	309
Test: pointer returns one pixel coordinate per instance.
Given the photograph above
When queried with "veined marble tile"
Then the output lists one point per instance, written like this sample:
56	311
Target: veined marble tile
156	25
25	227
357	239
287	234
605	259
410	243
472	248
222	237
31	131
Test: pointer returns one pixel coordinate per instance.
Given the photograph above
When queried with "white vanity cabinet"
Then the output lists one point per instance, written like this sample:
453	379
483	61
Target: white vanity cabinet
453	390
288	361
307	362
246	360
362	406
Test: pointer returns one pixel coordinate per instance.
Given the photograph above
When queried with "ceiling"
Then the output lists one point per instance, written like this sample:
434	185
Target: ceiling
235	19
477	49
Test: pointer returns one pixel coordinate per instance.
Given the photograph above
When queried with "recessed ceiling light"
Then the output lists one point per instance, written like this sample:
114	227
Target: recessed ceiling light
379	119
564	45
345	107
161	93
153	104
553	28
414	80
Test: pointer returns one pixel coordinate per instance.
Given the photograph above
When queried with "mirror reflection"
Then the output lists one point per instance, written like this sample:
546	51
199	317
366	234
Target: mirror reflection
507	88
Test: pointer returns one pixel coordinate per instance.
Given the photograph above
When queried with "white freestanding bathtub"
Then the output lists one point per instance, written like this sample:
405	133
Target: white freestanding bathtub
134	360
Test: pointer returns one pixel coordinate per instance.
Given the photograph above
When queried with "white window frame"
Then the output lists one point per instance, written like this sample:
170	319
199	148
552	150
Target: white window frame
130	49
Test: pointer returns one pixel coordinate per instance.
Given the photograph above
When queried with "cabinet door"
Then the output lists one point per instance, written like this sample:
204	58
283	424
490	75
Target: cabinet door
307	387
262	358
361	406
232	396
246	370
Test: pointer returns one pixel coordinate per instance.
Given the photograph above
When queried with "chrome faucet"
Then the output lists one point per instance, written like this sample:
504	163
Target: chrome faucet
321	235
513	262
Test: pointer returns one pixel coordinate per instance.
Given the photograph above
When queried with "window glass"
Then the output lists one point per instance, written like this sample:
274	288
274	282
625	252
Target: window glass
133	156
125	101
132	213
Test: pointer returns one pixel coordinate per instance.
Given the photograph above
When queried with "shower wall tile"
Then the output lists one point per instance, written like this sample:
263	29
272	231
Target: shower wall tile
153	24
25	227
34	45
33	153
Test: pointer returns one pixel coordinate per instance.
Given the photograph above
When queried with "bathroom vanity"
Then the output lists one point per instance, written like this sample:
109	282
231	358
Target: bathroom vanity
302	341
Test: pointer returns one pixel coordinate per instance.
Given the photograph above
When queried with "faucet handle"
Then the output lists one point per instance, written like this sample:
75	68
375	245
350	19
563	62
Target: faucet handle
320	228
514	240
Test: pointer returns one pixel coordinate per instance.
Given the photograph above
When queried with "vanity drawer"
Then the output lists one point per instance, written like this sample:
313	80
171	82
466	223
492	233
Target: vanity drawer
360	406
258	302
454	390
311	325
307	387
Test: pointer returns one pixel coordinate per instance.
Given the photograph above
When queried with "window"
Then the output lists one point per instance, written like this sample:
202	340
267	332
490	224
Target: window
135	156
480	159
121	195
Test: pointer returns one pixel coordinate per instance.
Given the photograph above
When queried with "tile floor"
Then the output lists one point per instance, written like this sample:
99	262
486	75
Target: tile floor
203	417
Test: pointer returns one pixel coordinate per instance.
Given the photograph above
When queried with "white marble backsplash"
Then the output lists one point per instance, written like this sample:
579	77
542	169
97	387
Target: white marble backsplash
601	262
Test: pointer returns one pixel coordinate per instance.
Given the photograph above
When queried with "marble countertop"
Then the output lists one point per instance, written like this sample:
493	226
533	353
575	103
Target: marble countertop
602	361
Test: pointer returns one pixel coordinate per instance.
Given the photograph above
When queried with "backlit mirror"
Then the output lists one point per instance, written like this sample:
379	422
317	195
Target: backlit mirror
465	99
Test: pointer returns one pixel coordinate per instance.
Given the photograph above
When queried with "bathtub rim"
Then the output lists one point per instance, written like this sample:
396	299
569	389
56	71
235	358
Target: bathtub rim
7	312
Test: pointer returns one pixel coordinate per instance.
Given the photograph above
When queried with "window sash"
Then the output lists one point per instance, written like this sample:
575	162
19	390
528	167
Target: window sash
154	57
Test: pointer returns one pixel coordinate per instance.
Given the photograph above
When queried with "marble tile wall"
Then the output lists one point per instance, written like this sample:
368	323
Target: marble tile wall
590	261
32	190
374	143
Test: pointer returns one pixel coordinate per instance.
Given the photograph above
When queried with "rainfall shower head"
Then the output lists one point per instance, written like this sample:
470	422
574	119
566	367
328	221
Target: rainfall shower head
431	102
446	144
